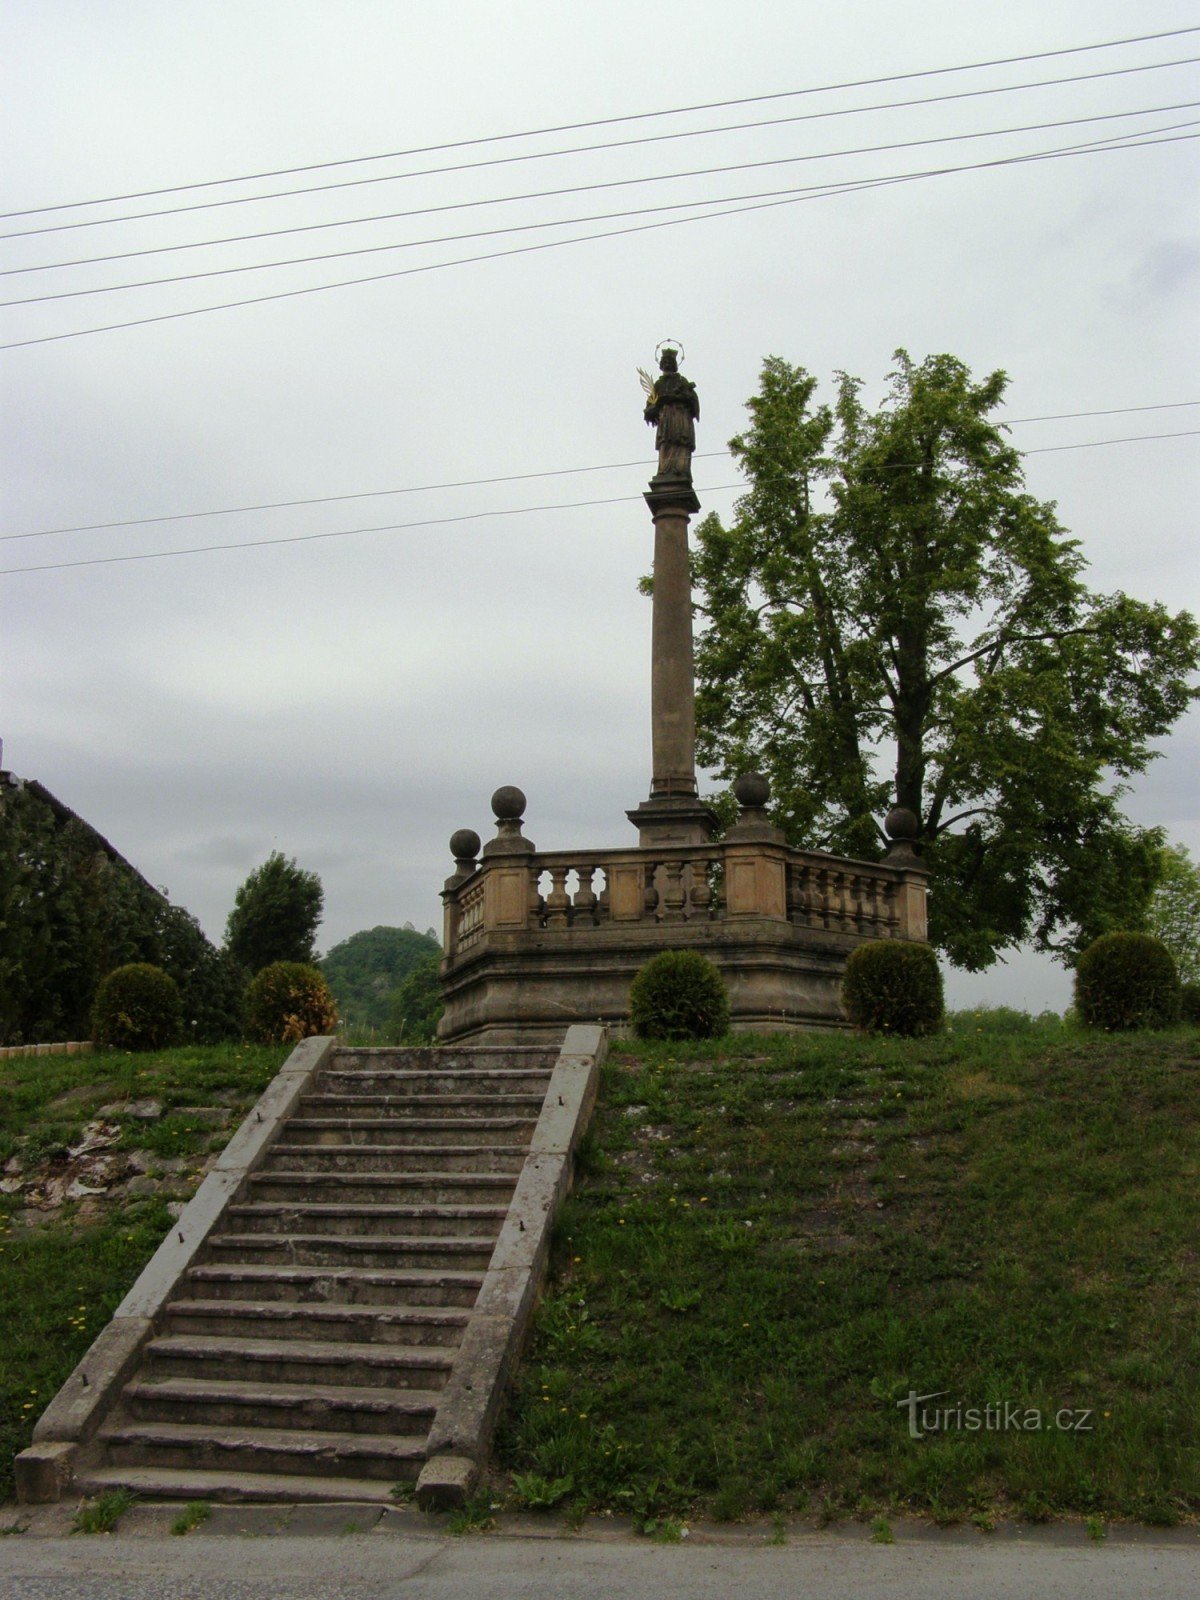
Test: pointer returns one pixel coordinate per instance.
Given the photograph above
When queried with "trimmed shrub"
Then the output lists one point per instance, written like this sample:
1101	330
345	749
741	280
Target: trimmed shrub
1126	980
892	986
1189	1002
287	1002
678	994
137	1007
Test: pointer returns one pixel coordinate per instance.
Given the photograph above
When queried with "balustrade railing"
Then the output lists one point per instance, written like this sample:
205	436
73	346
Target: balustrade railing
578	891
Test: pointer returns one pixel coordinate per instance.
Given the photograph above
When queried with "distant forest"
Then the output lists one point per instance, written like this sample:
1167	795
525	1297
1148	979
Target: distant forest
365	971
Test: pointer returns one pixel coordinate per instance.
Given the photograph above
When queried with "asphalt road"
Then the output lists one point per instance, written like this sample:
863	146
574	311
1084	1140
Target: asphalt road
495	1567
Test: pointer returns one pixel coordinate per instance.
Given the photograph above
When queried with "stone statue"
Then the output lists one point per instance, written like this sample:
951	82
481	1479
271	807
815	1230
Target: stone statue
673	406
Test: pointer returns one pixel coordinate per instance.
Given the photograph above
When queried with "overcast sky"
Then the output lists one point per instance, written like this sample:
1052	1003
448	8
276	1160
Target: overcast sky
353	700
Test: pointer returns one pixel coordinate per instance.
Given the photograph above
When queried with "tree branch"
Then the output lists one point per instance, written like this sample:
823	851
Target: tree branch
1007	639
976	811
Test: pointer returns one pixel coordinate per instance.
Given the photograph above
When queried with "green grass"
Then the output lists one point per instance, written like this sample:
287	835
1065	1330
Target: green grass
191	1517
102	1514
772	1242
61	1280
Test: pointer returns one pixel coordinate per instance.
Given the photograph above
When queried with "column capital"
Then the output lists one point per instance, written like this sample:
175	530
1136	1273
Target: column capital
666	495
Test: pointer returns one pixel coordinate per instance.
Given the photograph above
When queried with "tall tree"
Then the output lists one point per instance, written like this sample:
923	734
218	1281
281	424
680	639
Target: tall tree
275	915
1174	911
365	970
891	619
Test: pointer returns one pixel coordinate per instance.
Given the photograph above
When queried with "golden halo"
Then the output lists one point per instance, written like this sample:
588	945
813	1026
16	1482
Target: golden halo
669	344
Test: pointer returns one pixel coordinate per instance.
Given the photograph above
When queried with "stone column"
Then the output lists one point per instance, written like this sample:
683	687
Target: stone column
672	814
672	673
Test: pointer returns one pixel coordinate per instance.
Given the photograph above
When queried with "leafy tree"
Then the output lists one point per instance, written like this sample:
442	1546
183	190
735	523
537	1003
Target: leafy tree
365	970
893	620
71	910
417	1006
275	915
1174	912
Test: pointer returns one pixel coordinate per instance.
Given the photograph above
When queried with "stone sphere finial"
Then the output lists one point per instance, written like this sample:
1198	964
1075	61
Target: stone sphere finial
464	845
902	825
751	791
508	803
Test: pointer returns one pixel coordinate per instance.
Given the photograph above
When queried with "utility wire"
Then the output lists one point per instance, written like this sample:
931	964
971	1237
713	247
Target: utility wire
613	183
847	111
341	533
792	197
479	516
604	122
539	155
524	477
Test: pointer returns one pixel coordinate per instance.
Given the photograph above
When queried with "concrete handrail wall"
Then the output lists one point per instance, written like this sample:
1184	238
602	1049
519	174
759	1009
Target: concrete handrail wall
469	1404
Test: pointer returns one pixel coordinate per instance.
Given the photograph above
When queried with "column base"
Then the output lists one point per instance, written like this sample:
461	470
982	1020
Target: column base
672	819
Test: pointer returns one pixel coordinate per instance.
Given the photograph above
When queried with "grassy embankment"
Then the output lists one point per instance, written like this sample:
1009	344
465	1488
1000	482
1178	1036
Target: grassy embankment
63	1271
773	1243
769	1245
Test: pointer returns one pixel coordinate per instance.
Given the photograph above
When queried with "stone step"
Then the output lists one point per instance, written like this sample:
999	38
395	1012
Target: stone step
376	1221
241	1403
398	1107
234	1488
348	1131
319	1287
403	1085
344	1250
356	1323
276	1450
486	1160
383	1187
418	1058
324	1363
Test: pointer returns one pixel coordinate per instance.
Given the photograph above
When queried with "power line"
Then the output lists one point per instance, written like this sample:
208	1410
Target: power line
612	183
540	155
793	197
479	516
602	122
340	533
1114	411
525	477
1093	444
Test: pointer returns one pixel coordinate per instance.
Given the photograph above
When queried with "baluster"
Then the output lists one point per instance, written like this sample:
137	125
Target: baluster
650	894
603	905
672	900
842	892
799	909
537	906
878	919
701	896
890	920
854	907
866	906
585	900
558	901
823	896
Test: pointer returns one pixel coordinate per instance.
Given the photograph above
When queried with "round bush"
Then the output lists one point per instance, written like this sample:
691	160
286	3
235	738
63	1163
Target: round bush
137	1007
1189	1002
1126	980
287	1002
678	994
891	986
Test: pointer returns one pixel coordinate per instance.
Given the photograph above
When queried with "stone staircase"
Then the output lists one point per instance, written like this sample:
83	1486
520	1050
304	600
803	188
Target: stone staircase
301	1355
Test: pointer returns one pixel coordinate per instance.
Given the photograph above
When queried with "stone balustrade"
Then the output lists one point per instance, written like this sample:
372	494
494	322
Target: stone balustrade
576	891
535	938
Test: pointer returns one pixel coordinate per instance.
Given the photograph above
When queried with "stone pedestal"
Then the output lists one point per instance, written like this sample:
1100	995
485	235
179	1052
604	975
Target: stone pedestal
673	814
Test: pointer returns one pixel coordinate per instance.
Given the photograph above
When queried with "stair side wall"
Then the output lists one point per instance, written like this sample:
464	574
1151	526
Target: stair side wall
470	1402
43	1471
